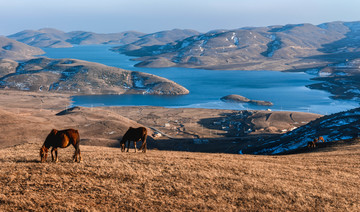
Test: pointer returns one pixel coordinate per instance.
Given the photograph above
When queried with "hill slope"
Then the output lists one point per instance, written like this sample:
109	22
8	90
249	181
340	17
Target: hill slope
289	47
334	127
53	38
108	180
12	49
81	77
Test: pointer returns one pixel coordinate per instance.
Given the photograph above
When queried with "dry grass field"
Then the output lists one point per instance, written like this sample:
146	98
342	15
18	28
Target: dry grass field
322	179
109	180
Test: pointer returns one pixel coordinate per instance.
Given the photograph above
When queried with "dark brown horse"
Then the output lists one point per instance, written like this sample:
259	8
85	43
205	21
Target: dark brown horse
61	139
313	143
135	135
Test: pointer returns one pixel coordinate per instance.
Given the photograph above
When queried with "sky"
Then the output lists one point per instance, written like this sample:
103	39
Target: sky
106	16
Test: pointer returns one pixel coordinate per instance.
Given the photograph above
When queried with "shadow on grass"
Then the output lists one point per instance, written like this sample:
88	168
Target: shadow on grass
24	160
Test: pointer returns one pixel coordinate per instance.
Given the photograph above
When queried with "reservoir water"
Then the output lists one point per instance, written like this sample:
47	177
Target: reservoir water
286	90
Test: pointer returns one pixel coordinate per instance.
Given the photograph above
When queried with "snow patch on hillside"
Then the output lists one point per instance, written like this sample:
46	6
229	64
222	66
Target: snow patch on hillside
338	126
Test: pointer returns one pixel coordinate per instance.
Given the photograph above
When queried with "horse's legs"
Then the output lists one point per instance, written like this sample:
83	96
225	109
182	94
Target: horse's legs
52	155
144	146
77	154
56	155
128	146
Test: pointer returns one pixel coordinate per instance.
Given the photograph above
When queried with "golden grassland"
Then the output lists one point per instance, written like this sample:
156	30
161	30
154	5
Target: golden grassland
109	180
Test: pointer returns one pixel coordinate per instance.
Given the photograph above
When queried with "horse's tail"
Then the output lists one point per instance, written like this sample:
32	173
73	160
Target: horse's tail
77	138
77	146
144	144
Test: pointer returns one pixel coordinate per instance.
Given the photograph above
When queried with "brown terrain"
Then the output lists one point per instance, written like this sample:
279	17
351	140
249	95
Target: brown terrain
109	180
197	159
164	179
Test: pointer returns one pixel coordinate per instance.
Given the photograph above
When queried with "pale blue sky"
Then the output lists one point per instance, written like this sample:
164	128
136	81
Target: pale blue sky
105	16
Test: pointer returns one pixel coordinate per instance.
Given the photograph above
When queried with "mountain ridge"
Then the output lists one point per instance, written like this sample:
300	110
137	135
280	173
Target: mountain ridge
294	45
54	38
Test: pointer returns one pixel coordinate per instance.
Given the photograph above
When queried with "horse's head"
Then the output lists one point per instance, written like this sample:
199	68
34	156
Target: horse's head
43	153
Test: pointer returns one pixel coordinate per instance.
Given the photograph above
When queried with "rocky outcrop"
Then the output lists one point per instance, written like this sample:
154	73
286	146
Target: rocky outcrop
81	77
241	99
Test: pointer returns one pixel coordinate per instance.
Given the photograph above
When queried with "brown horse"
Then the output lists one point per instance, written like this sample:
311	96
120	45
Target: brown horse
311	144
61	139
135	135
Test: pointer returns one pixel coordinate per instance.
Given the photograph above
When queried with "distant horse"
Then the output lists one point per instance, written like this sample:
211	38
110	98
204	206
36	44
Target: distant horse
311	144
135	135
61	139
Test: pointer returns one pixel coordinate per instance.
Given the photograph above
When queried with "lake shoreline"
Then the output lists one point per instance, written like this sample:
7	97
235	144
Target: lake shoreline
287	90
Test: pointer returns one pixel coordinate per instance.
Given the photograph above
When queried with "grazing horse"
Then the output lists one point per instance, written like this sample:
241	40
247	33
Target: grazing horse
311	144
135	135
61	139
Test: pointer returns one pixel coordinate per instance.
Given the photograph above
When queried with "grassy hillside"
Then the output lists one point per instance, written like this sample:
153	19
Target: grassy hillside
108	179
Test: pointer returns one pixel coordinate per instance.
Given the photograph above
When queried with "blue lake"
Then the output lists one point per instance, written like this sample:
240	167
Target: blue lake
286	90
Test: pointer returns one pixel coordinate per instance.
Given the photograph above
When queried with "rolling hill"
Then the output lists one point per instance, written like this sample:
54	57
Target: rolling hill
53	38
288	47
335	127
14	50
81	77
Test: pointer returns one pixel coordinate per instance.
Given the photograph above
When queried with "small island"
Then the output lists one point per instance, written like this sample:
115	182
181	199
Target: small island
242	99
